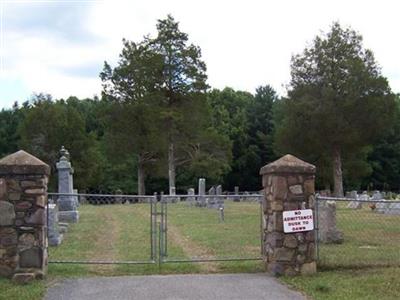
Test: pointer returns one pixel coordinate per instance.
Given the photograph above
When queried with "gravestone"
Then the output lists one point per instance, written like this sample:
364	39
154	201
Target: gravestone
201	200
354	204
327	230
62	227
364	196
387	208
23	201
218	190
325	193
67	205
288	186
393	209
75	191
236	197
377	195
55	238
220	200
211	201
191	199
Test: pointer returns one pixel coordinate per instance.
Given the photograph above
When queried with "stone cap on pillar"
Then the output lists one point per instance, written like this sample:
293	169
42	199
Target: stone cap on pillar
22	162
288	164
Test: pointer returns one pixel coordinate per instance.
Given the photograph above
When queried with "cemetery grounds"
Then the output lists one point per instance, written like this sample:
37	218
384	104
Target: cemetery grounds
365	266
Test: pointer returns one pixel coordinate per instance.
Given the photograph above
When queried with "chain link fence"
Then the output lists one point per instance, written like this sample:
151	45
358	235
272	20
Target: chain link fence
357	233
122	232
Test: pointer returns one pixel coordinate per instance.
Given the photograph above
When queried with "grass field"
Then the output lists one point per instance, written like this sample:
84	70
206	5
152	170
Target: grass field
365	266
122	232
370	239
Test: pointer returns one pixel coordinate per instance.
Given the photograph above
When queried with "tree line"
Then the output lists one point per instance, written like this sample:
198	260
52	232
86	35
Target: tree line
158	124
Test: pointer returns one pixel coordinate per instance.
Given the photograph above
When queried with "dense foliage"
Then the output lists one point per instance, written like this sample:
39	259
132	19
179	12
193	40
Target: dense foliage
158	125
338	104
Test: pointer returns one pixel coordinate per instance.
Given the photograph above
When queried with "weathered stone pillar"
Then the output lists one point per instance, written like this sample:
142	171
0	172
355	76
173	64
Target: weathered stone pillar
67	205
201	200
191	199
220	200
288	185
23	200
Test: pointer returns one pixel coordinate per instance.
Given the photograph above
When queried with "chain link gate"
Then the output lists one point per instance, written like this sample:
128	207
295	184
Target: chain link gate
146	205
175	202
157	207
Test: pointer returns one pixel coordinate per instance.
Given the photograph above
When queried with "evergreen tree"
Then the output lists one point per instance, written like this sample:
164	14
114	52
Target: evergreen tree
133	111
47	126
183	87
338	102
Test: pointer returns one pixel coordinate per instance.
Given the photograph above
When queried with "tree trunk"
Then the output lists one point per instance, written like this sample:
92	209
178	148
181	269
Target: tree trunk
171	168
337	172
141	178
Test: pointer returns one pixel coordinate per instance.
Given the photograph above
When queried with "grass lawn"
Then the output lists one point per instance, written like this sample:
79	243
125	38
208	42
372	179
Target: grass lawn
202	235
122	232
369	283
32	291
370	239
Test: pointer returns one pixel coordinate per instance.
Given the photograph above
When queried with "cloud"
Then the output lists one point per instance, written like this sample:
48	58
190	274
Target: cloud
51	19
87	70
59	46
49	48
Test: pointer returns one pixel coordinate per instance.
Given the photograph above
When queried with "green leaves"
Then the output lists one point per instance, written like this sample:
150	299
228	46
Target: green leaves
337	98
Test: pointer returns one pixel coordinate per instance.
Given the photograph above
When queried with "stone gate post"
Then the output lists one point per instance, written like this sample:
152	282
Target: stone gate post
23	200
288	185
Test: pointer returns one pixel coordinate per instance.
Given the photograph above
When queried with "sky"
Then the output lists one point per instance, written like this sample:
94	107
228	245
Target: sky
59	47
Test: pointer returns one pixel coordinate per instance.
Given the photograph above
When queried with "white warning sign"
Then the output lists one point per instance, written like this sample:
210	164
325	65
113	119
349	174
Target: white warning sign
298	220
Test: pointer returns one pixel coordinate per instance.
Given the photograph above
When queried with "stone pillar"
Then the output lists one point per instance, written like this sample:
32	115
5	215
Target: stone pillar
67	205
327	229
201	201
220	200
191	197
23	232
54	235
211	203
236	192
288	184
353	204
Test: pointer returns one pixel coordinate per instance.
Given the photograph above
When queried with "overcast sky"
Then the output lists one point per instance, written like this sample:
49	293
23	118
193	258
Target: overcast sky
58	47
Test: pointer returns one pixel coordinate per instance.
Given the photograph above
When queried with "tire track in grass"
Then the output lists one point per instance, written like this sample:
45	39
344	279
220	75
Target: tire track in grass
134	240
104	248
190	248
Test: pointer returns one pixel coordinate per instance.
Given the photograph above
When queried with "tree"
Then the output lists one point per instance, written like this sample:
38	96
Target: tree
338	102
229	118
158	108
260	133
47	126
9	122
385	158
183	86
132	116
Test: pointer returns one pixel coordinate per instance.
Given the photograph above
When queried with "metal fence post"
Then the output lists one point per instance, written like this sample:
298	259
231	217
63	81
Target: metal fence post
153	228
316	226
165	252
161	232
261	229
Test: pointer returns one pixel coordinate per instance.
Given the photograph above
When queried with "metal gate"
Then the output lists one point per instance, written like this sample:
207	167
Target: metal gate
126	204
219	210
226	212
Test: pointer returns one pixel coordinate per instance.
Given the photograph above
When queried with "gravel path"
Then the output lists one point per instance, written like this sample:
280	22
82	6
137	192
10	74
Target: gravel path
177	287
